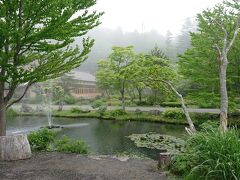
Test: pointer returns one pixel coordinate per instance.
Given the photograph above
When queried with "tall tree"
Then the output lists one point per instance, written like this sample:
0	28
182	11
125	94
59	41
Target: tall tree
158	73
224	37
116	69
215	53
35	38
157	52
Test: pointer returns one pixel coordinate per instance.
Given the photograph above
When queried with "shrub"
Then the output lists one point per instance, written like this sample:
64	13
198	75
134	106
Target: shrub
68	99
117	112
170	104
101	110
210	155
42	140
45	140
72	146
11	113
78	111
75	110
97	104
173	114
205	100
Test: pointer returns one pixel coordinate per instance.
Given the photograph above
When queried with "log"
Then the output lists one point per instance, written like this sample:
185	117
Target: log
164	160
14	147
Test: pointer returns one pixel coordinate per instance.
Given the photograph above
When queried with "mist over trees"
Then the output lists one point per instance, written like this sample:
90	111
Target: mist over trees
143	42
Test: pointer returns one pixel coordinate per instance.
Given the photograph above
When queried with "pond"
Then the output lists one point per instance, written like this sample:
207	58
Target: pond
105	137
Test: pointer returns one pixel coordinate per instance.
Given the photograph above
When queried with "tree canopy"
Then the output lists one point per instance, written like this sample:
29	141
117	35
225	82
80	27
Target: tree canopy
35	41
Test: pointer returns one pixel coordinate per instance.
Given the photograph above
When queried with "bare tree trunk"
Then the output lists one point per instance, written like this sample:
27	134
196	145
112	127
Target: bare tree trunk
139	94
2	120
2	111
223	62
123	96
224	96
191	129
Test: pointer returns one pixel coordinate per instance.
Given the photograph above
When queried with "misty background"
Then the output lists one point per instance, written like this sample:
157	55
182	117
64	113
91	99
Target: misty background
106	38
144	24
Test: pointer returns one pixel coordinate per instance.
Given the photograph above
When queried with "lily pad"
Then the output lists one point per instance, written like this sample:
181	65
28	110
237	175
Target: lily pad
164	143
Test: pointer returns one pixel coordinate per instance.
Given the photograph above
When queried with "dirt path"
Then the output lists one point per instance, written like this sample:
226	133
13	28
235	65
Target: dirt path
58	166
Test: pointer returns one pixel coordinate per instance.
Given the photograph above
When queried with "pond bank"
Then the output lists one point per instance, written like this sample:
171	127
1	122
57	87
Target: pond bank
59	166
198	118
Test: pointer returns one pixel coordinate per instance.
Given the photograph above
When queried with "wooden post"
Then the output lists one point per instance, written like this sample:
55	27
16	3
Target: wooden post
14	147
164	160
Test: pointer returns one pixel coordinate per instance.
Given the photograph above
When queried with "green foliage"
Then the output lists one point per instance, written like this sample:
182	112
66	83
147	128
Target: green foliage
38	46
68	99
210	154
171	104
205	99
76	110
173	114
42	140
98	103
101	110
45	140
11	113
117	112
157	52
72	146
199	65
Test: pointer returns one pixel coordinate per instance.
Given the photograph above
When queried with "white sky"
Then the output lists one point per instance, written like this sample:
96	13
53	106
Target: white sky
145	15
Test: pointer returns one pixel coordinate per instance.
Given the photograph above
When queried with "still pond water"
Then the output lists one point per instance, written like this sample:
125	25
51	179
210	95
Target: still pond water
103	136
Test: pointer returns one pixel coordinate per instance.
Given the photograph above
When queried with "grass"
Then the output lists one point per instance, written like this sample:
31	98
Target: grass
210	154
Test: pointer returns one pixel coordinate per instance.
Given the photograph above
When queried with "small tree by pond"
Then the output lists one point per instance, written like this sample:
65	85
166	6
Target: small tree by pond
115	71
35	45
35	38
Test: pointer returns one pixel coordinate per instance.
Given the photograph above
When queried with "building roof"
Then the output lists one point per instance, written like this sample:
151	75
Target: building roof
82	76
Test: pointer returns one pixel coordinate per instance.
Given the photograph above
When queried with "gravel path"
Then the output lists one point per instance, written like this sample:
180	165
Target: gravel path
59	166
142	108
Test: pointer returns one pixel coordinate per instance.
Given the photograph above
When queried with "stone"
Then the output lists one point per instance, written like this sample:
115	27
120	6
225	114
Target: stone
164	160
14	147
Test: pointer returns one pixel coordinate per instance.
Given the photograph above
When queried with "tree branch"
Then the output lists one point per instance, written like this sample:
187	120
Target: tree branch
191	130
235	34
20	98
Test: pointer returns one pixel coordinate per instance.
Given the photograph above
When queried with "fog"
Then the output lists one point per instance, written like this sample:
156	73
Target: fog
106	38
144	24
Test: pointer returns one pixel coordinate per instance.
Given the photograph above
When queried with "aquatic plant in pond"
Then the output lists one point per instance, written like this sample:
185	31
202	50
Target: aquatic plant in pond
164	143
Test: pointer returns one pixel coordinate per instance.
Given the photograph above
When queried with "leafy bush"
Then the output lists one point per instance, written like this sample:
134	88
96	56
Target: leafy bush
117	112
78	111
68	99
11	113
170	104
45	140
173	114
101	110
97	104
210	155
72	146
42	140
205	100
75	110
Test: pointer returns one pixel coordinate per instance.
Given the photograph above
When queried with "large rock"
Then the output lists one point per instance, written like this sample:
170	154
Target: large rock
14	147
